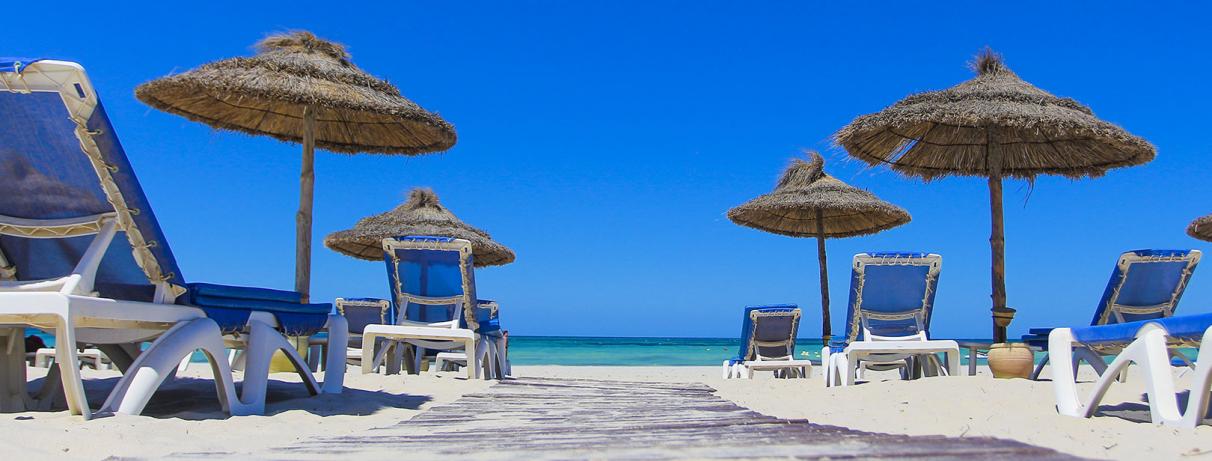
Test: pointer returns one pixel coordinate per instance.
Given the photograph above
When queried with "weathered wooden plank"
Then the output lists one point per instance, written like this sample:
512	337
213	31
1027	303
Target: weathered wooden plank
535	418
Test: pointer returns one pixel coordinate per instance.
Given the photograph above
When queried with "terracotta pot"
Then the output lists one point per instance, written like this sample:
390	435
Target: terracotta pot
1011	360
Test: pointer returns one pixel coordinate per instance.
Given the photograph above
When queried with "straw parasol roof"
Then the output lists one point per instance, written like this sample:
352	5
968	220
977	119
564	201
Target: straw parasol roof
299	88
267	93
946	132
422	214
1201	228
805	188
806	202
996	126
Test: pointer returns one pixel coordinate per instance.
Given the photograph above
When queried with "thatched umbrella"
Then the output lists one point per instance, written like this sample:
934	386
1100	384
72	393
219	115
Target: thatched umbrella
1201	228
807	202
995	126
422	214
299	88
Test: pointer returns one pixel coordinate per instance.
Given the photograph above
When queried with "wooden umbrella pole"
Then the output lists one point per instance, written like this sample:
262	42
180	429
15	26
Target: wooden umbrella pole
826	332
997	243
307	180
997	237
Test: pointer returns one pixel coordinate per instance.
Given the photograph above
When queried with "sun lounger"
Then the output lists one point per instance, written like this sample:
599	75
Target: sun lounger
83	257
888	319
1145	285
360	313
768	344
1146	343
432	280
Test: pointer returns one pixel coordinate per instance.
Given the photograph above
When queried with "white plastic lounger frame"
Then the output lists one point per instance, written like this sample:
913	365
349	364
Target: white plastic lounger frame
888	352
1150	350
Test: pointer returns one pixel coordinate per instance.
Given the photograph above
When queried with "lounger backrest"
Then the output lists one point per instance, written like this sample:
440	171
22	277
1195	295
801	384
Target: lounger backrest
431	267
769	331
360	312
891	294
62	174
1145	285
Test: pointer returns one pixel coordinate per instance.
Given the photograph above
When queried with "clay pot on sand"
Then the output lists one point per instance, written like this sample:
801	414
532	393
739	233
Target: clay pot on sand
1011	360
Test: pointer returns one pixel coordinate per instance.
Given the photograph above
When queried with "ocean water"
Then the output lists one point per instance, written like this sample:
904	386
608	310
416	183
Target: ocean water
566	350
606	351
616	351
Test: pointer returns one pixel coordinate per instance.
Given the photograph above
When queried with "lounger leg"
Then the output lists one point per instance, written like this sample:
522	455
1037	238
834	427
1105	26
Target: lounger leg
263	341
120	355
157	363
371	350
410	358
726	370
827	365
393	359
473	359
1201	386
1038	368
418	358
1093	358
484	358
334	366
1064	378
69	368
502	357
494	363
850	366
1150	352
12	372
953	362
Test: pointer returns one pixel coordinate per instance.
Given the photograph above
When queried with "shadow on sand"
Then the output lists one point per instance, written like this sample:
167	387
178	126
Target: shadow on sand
194	398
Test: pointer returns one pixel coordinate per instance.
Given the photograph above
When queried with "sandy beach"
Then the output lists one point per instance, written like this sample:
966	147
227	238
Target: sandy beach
183	419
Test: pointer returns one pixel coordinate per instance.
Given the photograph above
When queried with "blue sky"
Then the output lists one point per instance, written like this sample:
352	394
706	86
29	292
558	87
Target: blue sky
604	141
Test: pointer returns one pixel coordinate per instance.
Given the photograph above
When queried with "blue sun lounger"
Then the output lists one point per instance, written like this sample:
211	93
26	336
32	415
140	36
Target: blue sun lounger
360	313
432	281
888	319
768	344
1146	343
1145	285
83	257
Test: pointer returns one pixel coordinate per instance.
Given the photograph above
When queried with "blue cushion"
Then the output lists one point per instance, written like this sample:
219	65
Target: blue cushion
1187	327
230	307
237	292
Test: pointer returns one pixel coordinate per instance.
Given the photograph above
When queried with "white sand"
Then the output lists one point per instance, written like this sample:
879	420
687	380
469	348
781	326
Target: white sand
185	417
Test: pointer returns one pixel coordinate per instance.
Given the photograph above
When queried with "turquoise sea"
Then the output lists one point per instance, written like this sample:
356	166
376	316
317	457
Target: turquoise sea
604	351
607	351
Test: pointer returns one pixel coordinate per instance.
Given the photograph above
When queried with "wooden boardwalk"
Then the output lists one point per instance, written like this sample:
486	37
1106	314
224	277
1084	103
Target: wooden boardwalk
534	418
